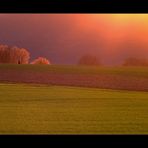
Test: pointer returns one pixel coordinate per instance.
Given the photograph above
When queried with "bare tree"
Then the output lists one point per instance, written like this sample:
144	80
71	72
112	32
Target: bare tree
13	55
23	56
89	60
41	60
4	54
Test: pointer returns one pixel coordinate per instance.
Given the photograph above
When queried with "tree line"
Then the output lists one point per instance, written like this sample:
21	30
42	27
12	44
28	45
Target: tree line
13	55
17	55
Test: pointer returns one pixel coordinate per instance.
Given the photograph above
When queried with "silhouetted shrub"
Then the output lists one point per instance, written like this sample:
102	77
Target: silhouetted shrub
135	62
89	60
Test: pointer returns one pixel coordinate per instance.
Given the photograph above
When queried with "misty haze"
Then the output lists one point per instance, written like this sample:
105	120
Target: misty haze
64	38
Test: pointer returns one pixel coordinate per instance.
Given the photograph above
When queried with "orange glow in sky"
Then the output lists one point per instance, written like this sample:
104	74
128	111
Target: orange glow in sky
112	37
118	30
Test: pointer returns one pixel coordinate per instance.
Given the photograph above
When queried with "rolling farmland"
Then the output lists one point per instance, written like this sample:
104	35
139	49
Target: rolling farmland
41	99
120	78
29	109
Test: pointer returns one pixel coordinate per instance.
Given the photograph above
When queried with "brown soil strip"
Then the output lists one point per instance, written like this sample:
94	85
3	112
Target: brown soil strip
96	81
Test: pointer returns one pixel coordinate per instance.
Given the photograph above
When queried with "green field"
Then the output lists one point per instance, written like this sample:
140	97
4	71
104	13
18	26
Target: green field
42	109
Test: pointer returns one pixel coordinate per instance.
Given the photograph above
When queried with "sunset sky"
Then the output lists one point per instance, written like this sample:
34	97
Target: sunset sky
64	38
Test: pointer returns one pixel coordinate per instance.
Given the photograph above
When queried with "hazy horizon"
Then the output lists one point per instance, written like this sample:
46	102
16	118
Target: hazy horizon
64	38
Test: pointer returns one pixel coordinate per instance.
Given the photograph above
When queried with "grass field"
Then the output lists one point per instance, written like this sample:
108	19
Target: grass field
42	109
74	69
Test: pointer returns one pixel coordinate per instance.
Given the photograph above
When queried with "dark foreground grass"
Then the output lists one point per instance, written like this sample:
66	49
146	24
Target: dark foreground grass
75	69
40	109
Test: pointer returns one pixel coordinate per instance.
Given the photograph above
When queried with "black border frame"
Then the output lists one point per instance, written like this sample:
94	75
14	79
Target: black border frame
73	6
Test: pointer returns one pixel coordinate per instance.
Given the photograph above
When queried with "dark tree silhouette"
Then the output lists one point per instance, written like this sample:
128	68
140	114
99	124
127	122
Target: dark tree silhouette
89	60
135	62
